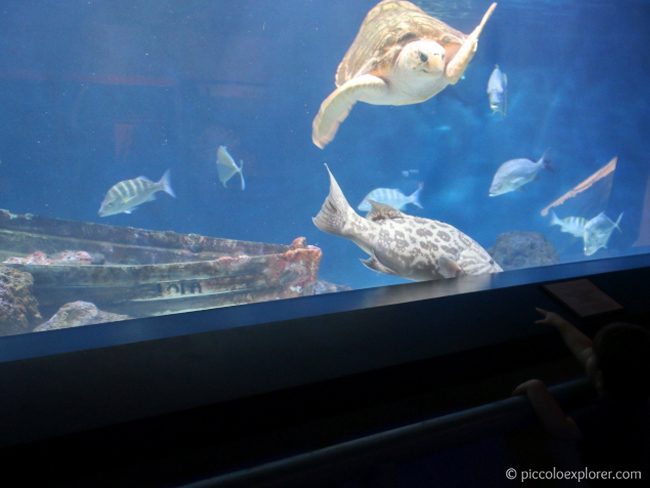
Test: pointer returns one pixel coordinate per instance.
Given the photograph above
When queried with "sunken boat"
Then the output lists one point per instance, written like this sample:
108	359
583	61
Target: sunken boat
139	272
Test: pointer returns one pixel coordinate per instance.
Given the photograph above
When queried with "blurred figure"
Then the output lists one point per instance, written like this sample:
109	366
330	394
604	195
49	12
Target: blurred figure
613	432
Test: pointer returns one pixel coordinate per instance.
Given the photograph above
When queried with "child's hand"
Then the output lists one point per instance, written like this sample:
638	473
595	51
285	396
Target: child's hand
523	388
553	418
549	318
578	343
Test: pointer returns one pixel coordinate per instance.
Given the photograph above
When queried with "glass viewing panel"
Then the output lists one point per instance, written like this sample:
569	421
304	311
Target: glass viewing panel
167	156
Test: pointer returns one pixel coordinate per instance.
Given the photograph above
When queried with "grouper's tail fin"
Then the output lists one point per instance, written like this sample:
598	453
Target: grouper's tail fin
336	213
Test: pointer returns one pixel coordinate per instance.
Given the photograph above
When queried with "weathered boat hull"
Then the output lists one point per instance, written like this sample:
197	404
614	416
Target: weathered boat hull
140	272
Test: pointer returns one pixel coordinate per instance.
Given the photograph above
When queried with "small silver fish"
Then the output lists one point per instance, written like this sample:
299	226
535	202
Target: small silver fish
515	173
408	172
598	231
392	197
125	196
400	244
227	168
571	225
497	90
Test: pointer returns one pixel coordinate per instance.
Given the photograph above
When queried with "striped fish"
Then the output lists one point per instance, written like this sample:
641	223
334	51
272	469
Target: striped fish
392	197
571	225
126	195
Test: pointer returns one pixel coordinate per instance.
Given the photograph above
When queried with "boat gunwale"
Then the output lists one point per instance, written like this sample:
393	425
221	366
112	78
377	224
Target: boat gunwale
131	237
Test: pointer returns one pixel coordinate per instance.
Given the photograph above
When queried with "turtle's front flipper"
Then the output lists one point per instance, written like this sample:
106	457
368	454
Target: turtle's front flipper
458	65
336	107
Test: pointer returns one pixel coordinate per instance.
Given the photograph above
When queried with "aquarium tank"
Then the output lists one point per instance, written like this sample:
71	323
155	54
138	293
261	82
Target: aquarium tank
166	156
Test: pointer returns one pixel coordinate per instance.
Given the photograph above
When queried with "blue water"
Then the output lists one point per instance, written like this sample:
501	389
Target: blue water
94	92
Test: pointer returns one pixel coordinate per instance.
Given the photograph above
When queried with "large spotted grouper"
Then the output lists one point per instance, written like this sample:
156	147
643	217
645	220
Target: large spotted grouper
400	244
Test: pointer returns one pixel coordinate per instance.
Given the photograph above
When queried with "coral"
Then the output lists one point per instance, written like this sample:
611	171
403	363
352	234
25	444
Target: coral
75	314
18	307
63	257
295	270
515	250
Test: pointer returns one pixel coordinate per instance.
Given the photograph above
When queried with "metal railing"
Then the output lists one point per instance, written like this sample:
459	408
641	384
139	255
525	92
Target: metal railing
433	434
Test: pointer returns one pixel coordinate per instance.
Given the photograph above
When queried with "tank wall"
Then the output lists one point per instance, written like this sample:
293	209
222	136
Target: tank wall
94	94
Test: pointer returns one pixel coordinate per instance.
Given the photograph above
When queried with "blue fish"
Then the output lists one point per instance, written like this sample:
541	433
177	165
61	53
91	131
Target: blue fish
515	173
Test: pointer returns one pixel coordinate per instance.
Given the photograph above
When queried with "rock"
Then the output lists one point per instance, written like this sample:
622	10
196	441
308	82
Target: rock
18	307
516	250
322	286
78	313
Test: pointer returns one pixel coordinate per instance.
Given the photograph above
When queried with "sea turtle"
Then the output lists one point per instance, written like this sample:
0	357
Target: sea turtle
401	56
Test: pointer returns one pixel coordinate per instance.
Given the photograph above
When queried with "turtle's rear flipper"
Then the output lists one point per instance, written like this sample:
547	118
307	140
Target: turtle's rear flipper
336	107
458	65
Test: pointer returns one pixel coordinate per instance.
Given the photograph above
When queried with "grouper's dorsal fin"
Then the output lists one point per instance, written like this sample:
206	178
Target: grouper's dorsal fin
381	211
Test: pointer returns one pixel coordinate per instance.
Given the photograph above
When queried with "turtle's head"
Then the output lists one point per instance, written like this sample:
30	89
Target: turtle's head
422	56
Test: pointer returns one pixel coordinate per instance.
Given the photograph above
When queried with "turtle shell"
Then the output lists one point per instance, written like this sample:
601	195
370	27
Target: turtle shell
389	26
